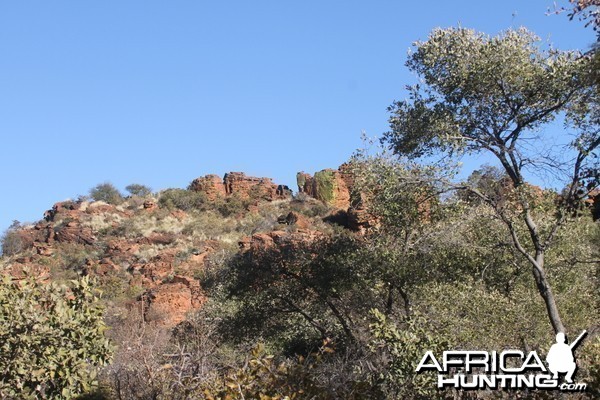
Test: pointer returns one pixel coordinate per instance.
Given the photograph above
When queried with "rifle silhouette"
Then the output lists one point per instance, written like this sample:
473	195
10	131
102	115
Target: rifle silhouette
576	341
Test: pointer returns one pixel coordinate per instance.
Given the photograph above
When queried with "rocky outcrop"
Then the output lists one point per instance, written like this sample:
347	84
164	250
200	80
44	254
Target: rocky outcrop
73	232
295	219
211	185
141	247
359	217
333	187
67	209
169	303
336	189
150	205
239	184
305	183
260	242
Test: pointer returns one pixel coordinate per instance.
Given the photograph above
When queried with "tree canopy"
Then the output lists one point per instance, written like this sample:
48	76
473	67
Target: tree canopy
482	94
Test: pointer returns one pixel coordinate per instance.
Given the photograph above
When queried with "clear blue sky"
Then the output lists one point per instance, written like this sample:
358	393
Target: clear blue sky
161	92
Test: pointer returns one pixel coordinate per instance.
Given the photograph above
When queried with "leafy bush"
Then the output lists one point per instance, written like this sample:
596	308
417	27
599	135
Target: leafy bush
106	192
51	339
233	205
182	199
325	185
136	189
10	241
403	347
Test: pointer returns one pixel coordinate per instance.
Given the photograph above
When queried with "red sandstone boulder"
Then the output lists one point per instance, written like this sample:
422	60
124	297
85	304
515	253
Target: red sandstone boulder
150	205
169	302
294	218
332	187
277	239
239	184
211	185
73	232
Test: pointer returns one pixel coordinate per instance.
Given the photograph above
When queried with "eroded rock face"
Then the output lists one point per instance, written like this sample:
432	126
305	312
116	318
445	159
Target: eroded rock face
294	218
169	303
336	189
67	209
592	202
239	184
260	242
73	232
211	185
150	205
333	187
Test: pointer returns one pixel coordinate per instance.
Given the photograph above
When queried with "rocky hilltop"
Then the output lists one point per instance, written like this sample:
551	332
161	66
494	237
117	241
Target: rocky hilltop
149	252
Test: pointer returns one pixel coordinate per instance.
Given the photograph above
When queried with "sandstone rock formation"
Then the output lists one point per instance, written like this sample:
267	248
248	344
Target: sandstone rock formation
211	185
238	183
117	245
336	189
277	239
328	185
169	303
294	218
73	232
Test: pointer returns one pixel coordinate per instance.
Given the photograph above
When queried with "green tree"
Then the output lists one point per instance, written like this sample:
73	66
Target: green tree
404	198
51	338
10	241
299	293
106	192
136	189
402	347
492	95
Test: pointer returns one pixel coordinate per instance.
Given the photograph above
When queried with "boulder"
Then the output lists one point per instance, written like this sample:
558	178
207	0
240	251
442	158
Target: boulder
328	185
73	232
169	302
239	184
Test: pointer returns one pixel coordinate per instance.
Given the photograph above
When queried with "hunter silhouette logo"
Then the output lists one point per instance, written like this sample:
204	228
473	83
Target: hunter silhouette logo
509	369
560	357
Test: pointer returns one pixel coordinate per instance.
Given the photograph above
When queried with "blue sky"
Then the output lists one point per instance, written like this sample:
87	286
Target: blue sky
158	92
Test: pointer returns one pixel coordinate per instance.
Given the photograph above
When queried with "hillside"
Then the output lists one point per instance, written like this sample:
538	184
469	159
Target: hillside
203	286
153	249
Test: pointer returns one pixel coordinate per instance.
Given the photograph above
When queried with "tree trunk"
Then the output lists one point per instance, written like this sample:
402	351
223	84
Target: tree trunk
546	292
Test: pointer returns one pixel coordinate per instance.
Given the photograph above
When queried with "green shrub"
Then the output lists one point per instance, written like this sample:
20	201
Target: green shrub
106	192
51	339
10	240
136	189
325	185
403	347
233	205
183	199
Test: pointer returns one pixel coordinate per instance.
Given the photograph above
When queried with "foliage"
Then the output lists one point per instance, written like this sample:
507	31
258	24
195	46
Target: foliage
299	294
136	189
325	186
182	199
51	338
405	348
587	10
10	241
492	95
262	377
402	194
106	192
233	205
188	200
481	92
